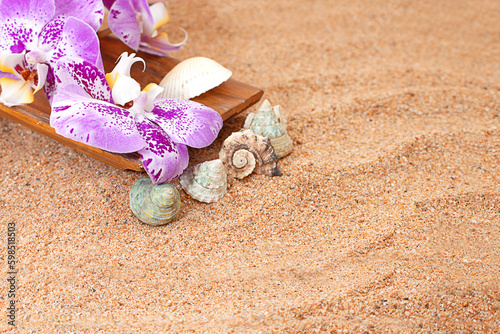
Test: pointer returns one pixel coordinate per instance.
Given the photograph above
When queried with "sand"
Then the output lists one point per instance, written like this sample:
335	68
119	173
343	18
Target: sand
386	218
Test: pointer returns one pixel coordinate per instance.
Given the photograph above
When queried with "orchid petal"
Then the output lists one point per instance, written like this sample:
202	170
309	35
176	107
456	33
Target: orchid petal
41	71
84	74
51	33
96	123
13	63
21	21
15	92
141	7
50	85
160	17
78	39
162	159
160	45
139	103
186	121
123	23
153	91
89	11
8	75
135	25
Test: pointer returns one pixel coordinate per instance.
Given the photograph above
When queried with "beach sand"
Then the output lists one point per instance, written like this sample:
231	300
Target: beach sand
386	218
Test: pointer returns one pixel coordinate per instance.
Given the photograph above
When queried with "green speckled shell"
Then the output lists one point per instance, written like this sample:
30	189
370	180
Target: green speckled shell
269	121
265	122
154	204
205	182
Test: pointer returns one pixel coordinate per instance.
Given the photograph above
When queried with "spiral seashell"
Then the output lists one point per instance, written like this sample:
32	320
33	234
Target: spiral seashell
205	182
266	121
244	161
237	151
154	204
193	77
283	145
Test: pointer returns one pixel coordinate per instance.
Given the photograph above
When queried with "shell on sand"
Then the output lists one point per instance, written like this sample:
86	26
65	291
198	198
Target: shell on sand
283	145
205	182
154	204
246	151
266	121
193	77
243	162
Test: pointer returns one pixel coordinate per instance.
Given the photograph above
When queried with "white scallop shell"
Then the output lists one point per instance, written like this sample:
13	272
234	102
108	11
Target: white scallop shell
205	182
193	77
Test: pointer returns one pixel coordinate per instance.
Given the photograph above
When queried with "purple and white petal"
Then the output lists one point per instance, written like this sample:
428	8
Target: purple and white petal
99	64
96	123
21	21
78	40
87	76
160	45
8	75
187	122
141	7
51	33
162	159
89	11
50	85
123	23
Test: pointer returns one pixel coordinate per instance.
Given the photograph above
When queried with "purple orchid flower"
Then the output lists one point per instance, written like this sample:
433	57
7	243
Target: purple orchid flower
110	112
135	23
34	34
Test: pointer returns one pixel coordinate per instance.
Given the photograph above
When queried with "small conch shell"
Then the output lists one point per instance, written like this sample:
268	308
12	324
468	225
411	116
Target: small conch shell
154	204
270	122
193	77
205	182
246	151
283	145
